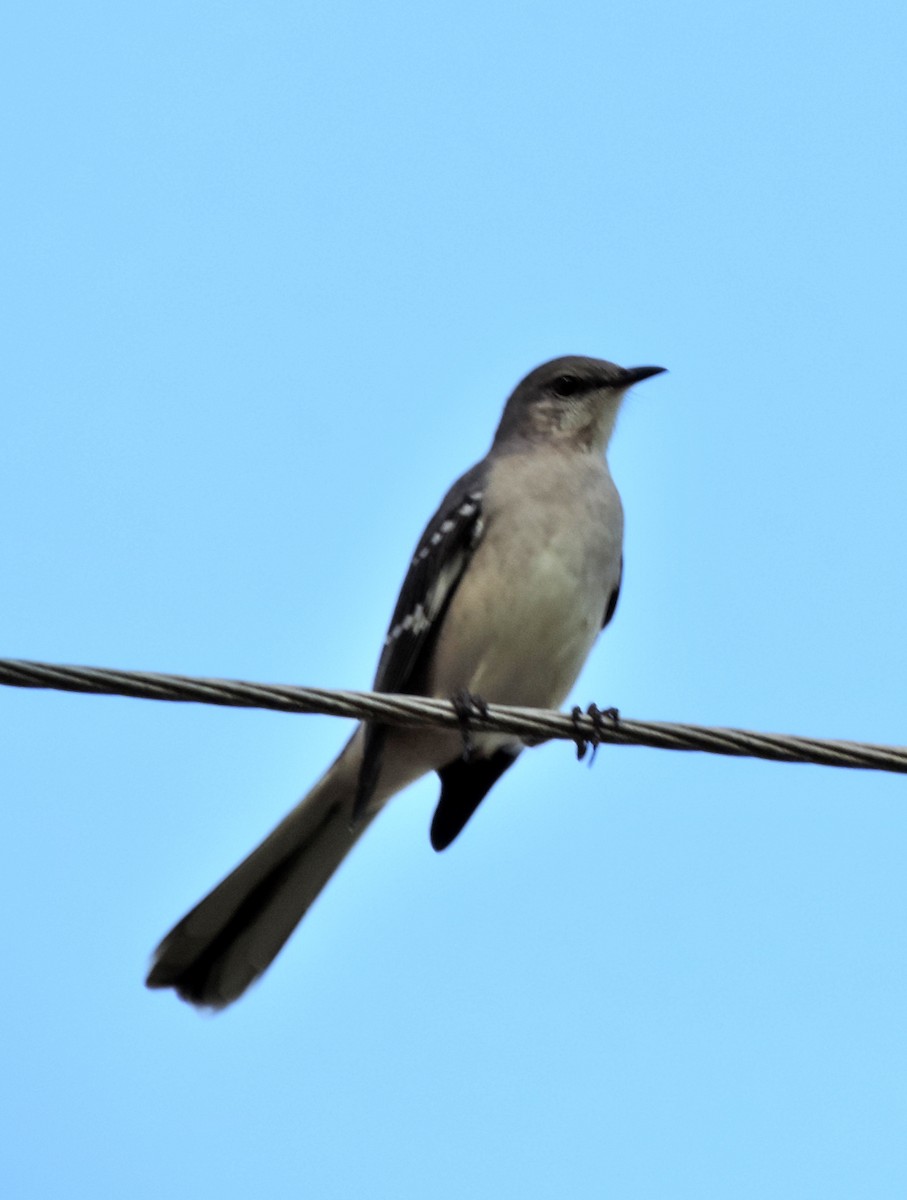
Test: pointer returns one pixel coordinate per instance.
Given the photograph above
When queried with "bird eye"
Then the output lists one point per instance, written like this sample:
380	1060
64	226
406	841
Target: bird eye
566	385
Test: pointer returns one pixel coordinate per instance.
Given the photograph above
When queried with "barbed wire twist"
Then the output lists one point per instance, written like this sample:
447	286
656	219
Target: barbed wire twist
532	724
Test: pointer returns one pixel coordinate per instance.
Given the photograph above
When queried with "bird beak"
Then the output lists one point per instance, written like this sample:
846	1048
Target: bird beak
638	374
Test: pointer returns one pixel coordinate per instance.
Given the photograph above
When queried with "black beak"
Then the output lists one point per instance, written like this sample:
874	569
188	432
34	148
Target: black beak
638	374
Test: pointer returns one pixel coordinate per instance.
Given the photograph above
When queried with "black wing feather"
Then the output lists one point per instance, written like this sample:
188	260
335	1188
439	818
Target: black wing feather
464	785
614	597
441	557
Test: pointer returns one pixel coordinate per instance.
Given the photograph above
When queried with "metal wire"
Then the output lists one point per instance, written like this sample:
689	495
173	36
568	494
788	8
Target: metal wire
531	724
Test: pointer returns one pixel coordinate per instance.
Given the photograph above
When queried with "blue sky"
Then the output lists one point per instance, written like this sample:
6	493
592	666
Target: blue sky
269	273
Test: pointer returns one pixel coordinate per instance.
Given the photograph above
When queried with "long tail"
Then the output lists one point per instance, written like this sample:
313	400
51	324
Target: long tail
234	934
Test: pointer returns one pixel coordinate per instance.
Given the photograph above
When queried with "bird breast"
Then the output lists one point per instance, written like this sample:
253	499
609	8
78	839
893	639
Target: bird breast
531	603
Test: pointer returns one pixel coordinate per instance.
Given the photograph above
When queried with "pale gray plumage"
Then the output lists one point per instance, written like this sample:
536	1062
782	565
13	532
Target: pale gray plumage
509	586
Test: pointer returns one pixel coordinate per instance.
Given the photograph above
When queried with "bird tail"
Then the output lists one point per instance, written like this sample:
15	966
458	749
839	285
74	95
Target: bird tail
229	938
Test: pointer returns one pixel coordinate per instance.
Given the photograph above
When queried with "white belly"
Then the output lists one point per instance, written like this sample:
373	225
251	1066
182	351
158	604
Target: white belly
531	603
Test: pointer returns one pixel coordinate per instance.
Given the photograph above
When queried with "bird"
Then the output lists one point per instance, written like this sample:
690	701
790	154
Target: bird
510	584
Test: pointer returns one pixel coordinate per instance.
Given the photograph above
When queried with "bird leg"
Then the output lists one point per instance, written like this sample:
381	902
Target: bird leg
597	716
468	707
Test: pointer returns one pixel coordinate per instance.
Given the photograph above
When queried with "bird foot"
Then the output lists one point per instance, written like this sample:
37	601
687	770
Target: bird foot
468	707
597	716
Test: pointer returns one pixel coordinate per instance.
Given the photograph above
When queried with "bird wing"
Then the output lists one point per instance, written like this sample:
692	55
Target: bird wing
442	556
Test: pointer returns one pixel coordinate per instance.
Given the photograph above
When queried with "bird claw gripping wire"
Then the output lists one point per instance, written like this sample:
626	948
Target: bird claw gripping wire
468	707
597	716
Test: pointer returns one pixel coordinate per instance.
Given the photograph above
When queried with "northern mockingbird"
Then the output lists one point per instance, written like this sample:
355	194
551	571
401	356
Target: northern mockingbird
511	581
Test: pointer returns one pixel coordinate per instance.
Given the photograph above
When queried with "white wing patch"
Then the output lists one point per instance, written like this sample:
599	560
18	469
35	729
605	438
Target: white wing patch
420	617
416	621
